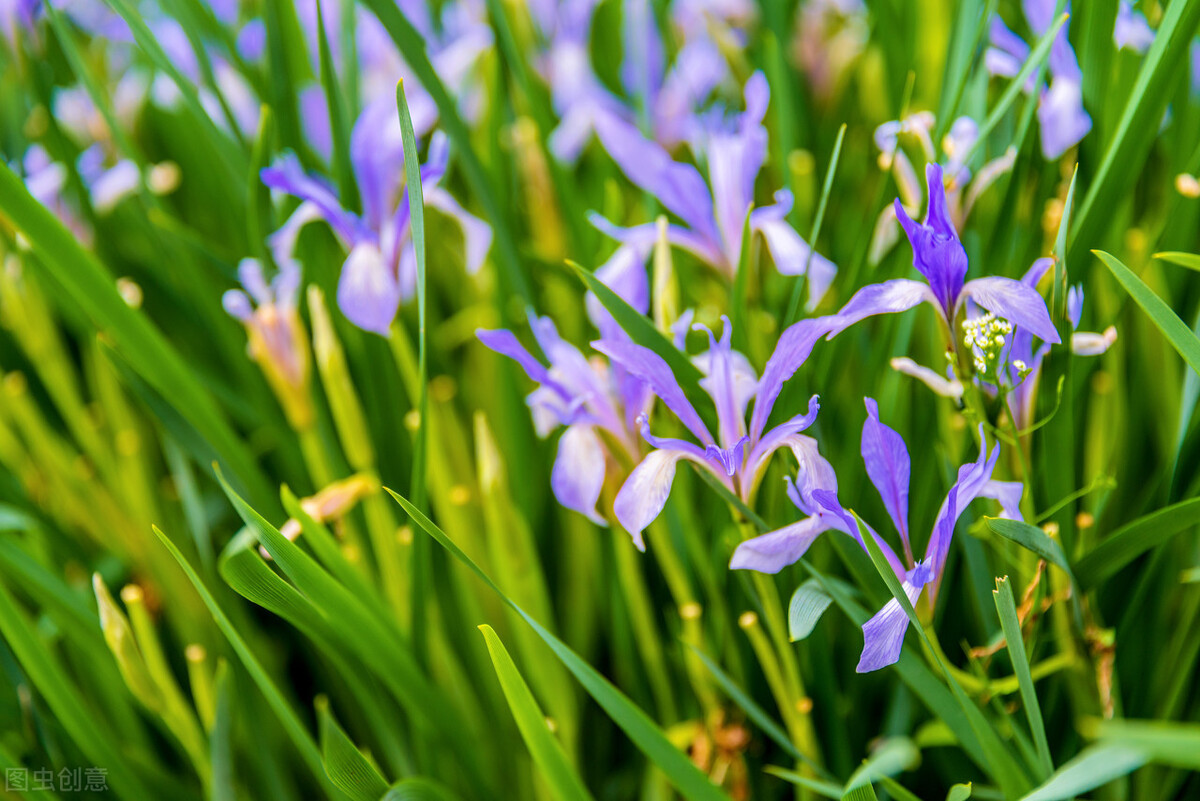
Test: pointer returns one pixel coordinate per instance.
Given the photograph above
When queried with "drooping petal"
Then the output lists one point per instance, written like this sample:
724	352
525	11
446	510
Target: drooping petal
477	234
368	292
650	367
578	475
287	175
1016	302
946	387
645	492
814	473
505	343
677	185
883	634
237	305
888	466
1008	493
793	348
890	297
1008	51
772	552
972	478
1086	343
1131	29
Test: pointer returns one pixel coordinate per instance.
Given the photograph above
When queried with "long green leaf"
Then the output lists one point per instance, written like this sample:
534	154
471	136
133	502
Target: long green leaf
547	752
345	764
1186	343
1032	538
1095	767
678	769
1007	609
1189	260
895	755
808	603
1166	743
1131	541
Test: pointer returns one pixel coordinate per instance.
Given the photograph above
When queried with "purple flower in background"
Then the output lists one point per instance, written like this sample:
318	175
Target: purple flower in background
939	256
276	337
1131	29
1061	116
889	468
737	456
714	212
380	270
19	15
1025	363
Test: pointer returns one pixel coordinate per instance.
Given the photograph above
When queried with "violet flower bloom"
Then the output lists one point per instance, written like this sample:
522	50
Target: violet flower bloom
19	15
714	212
276	339
1025	363
380	270
1131	29
939	256
889	467
1061	116
737	456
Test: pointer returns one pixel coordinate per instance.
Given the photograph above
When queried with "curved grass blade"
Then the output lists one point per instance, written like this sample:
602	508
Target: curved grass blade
220	740
793	309
1134	539
1095	767
825	789
642	331
82	278
547	752
1032	538
1189	260
897	754
1165	743
291	723
649	739
345	764
418	789
1186	343
1007	609
808	604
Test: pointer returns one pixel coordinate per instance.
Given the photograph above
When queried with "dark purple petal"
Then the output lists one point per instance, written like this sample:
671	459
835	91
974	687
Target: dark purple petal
650	367
888	467
1016	302
937	252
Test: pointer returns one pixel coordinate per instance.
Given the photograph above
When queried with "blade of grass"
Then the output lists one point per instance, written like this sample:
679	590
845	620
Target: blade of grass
1132	540
802	279
1186	343
547	752
345	764
1094	767
1189	260
895	755
649	739
220	739
1007	609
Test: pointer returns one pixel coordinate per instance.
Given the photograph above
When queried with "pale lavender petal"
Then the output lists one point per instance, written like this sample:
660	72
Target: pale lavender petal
377	156
793	348
314	111
829	502
677	185
722	384
287	175
643	63
947	388
283	241
1131	29
883	634
1062	118
1016	302
1036	271
644	494
114	185
237	305
1008	493
814	473
647	234
252	40
650	367
368	292
888	466
781	436
477	234
625	274
772	552
578	475
573	132
890	297
1010	49
789	251
1075	305
505	343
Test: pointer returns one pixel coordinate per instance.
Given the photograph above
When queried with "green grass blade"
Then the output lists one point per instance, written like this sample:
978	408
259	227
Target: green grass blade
897	754
1032	538
220	740
649	739
1094	767
1189	260
83	279
1166	743
1007	609
1186	343
824	789
417	789
642	331
291	723
345	764
793	310
547	752
805	609
1132	540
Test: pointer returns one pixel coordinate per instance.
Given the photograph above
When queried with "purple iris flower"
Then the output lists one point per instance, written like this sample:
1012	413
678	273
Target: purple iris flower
939	256
889	467
1131	29
19	15
714	212
1061	115
1025	362
737	456
380	270
585	396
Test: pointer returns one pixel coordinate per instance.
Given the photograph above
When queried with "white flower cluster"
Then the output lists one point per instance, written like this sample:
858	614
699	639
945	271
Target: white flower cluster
986	336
